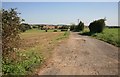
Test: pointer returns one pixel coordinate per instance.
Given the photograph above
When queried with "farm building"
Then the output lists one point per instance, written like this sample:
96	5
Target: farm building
49	27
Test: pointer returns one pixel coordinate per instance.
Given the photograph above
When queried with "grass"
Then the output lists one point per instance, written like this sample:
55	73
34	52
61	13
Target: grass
36	47
109	35
23	64
65	35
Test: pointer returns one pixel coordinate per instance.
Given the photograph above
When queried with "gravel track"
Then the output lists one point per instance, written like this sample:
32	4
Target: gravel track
82	55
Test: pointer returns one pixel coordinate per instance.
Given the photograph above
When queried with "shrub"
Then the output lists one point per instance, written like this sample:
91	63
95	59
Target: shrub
25	63
79	27
72	27
23	27
41	27
10	30
55	30
0	17
34	26
97	26
27	26
46	30
56	27
63	29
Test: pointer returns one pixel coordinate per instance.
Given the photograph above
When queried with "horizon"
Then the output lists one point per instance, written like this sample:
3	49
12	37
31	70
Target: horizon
65	12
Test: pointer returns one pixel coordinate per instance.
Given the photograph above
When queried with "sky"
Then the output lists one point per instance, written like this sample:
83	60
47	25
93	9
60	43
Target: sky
65	12
60	0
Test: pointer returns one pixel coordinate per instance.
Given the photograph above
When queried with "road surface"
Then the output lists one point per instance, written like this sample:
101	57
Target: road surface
82	55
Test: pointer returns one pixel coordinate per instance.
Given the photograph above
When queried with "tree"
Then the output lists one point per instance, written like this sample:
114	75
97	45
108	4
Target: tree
10	30
42	27
56	27
79	27
24	26
64	27
97	26
72	27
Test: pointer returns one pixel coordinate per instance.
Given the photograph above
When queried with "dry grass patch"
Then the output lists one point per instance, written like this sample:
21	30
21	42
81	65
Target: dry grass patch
40	41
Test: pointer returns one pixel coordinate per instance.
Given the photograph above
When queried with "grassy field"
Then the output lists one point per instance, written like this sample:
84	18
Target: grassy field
36	47
109	35
41	41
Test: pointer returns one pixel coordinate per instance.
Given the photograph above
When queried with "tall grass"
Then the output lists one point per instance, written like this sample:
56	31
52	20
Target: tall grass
110	35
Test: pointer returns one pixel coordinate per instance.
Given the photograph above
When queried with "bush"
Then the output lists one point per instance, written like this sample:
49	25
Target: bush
23	27
80	27
0	19
55	30
97	26
25	63
63	29
56	27
72	27
46	30
10	30
34	26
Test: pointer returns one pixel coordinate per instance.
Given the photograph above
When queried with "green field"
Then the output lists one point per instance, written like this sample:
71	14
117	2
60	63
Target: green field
36	47
109	35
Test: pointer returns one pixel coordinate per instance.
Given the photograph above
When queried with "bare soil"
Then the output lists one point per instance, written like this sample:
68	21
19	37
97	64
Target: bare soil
82	55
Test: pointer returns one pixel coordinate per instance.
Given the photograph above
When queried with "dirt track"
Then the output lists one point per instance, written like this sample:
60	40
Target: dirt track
82	55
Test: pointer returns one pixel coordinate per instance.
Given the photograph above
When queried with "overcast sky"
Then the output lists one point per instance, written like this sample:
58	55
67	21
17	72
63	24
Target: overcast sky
65	12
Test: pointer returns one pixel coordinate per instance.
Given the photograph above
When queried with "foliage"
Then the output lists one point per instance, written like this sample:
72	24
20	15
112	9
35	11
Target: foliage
64	27
77	28
80	26
56	27
55	30
23	27
34	26
15	63
41	27
72	27
25	62
46	30
97	26
0	27
10	30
